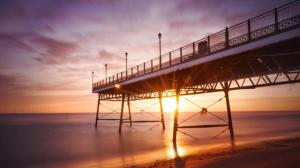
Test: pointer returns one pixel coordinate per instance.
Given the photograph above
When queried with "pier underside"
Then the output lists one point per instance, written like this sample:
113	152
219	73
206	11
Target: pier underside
273	65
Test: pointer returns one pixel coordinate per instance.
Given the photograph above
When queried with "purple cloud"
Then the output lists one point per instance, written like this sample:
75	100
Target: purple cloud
17	40
109	56
56	51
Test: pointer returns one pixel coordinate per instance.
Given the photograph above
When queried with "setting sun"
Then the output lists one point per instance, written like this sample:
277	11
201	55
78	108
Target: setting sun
169	104
171	153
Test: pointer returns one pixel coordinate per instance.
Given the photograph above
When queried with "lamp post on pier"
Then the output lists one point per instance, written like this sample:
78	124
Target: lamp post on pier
126	55
105	73
159	38
92	79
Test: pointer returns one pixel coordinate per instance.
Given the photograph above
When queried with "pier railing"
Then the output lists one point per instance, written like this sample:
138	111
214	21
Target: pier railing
269	23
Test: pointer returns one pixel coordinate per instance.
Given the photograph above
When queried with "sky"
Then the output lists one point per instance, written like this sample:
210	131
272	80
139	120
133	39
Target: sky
49	48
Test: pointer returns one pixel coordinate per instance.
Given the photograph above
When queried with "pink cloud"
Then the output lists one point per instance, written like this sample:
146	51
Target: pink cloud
56	51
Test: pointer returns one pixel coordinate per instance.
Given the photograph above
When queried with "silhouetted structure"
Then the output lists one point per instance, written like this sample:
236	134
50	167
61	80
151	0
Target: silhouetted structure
261	51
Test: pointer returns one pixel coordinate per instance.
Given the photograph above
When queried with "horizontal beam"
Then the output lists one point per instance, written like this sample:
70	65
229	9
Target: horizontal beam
144	121
110	119
204	126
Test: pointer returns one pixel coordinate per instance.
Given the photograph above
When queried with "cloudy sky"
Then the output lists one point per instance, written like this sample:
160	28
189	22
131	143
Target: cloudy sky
48	48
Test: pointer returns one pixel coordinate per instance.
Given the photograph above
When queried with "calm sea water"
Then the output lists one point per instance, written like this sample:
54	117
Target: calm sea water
70	140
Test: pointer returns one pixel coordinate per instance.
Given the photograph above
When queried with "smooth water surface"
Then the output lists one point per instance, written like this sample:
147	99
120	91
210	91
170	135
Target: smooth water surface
71	140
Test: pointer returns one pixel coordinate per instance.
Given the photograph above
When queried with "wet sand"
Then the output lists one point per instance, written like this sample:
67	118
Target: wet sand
268	154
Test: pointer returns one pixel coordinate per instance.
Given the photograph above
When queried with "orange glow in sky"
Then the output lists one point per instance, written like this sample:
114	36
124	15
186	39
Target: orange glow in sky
49	49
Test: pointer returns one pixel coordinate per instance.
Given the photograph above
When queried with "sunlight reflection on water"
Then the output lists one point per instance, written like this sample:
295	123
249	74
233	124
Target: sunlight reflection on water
72	141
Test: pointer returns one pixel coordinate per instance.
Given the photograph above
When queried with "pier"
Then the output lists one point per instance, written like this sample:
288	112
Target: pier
259	52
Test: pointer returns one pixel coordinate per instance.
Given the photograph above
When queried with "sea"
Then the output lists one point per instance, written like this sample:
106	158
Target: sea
71	139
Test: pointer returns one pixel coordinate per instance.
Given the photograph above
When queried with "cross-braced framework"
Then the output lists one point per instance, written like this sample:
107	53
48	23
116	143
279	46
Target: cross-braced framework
273	79
128	98
262	51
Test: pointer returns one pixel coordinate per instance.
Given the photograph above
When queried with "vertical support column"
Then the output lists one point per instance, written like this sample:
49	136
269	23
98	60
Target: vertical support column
226	38
170	59
98	104
180	54
161	110
122	110
249	29
208	44
176	150
129	112
151	65
176	115
276	20
160	62
226	90
194	52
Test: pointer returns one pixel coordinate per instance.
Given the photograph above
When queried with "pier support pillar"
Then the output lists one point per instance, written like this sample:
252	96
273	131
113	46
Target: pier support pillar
161	110
98	104
226	90
122	110
129	112
175	125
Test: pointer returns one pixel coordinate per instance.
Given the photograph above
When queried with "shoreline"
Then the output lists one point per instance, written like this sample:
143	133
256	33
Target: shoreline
268	154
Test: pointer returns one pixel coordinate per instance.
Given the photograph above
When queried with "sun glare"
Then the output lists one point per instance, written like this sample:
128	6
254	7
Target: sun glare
172	154
117	86
169	104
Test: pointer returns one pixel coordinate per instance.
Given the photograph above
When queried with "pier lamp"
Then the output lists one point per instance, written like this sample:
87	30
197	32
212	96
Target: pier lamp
117	86
159	38
92	79
105	73
126	55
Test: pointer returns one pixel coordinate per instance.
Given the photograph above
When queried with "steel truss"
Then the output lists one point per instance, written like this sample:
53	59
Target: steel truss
250	82
126	97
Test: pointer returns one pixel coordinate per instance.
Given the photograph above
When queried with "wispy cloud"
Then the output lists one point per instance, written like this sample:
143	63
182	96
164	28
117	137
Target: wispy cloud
55	51
16	39
109	56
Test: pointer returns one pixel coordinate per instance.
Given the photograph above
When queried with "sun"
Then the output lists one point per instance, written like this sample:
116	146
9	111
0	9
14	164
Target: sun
172	154
169	104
